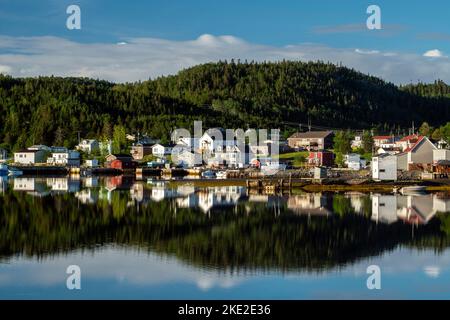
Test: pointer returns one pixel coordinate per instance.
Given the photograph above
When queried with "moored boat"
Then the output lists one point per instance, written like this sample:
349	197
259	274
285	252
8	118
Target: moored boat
3	169
221	175
14	172
413	190
208	174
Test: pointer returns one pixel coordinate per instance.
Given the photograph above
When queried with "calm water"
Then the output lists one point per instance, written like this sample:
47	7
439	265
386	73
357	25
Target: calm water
155	240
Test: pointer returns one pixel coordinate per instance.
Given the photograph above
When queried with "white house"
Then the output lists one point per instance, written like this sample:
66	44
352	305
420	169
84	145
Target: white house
214	140
27	156
65	158
379	141
420	152
91	163
356	142
237	158
187	159
187	142
88	145
354	161
441	154
160	150
384	167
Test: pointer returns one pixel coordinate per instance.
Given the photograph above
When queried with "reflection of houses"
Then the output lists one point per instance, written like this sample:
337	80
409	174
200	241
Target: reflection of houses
188	197
188	201
139	193
3	183
63	184
90	182
87	196
310	204
118	182
357	201
219	197
33	186
384	208
24	184
413	209
160	191
441	204
417	209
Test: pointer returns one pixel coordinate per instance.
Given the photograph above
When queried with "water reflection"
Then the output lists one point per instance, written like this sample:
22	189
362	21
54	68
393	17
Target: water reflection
224	227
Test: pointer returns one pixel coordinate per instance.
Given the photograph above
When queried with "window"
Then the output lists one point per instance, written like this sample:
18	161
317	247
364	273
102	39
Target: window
382	170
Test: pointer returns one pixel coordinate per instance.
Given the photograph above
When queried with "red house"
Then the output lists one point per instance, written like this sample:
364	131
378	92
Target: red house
321	158
120	161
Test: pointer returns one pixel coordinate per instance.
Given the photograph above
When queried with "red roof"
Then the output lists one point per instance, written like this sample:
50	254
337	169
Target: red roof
410	137
419	139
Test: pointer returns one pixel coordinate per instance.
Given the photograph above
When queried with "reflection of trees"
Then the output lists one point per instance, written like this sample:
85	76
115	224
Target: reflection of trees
252	236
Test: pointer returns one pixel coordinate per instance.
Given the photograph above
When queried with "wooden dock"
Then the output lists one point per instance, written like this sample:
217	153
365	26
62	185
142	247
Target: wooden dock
269	185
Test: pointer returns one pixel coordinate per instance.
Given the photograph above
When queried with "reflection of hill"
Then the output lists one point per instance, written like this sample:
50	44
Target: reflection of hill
251	236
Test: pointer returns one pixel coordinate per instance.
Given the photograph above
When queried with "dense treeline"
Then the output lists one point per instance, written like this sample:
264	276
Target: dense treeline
53	110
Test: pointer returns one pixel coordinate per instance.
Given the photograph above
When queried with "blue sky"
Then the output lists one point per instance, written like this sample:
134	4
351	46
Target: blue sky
408	29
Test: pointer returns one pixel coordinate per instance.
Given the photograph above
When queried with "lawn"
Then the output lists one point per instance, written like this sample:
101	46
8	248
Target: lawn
294	157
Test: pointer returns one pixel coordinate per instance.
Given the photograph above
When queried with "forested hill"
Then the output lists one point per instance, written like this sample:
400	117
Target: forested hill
53	110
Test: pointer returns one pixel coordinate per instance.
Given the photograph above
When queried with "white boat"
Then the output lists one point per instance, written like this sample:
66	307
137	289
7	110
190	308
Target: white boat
3	169
221	175
14	172
272	167
413	190
208	174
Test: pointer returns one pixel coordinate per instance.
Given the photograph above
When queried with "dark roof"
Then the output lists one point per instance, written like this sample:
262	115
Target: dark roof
121	156
311	135
443	162
28	151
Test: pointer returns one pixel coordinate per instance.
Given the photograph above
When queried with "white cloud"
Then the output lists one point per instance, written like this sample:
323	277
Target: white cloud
140	58
433	54
5	69
361	51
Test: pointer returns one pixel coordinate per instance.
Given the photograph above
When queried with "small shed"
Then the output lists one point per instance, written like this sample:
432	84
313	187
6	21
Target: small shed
320	173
